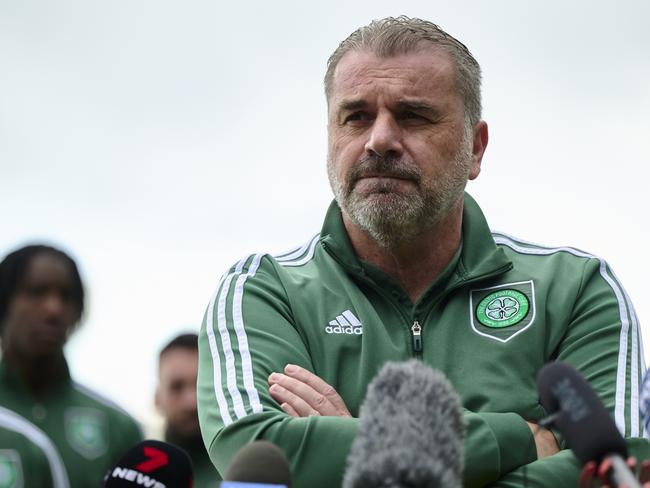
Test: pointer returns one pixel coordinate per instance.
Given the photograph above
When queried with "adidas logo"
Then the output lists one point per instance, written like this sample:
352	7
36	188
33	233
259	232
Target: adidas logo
346	323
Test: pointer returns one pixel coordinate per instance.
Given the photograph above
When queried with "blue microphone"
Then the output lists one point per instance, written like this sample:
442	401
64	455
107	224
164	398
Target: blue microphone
243	484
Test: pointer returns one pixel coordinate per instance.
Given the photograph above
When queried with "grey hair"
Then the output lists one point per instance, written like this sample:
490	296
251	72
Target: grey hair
400	35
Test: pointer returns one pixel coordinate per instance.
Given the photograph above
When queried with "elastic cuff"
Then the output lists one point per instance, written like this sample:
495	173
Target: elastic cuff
509	430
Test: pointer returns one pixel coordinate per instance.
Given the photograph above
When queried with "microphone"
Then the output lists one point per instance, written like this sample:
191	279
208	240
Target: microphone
411	431
151	464
583	420
258	464
243	484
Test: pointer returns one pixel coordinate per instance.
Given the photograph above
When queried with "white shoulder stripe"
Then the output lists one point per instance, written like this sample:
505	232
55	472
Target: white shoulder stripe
308	257
619	410
12	421
298	253
295	253
516	240
634	356
242	339
232	393
216	359
291	253
229	356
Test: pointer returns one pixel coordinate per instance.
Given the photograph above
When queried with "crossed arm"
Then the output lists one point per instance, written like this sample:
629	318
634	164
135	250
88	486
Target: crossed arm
301	393
237	407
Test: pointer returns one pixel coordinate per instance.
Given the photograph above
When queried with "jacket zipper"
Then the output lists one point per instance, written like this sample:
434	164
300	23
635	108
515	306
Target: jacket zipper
416	334
416	328
458	285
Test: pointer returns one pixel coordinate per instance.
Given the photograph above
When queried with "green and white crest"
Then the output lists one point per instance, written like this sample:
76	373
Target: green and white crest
86	430
11	470
502	312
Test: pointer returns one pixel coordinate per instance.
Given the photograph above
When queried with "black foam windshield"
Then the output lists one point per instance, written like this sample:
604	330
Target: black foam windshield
585	423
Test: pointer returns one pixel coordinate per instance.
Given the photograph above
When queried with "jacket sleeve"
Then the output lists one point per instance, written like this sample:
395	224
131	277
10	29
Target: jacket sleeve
495	444
561	470
603	342
248	333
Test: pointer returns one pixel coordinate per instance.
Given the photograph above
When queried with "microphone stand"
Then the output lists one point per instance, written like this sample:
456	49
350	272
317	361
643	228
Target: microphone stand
621	475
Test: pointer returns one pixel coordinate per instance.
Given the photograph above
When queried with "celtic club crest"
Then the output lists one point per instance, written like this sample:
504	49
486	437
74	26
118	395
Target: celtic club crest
503	311
86	430
11	472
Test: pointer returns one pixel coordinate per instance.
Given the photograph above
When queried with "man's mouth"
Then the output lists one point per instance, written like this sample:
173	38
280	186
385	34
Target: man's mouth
383	176
49	331
383	183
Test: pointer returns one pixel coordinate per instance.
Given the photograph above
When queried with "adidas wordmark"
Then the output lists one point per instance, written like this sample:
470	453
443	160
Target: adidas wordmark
346	323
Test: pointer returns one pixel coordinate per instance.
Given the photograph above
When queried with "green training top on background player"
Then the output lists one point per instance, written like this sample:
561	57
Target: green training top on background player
41	303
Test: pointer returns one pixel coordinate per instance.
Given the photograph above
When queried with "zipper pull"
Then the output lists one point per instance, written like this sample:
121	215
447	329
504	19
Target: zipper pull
416	330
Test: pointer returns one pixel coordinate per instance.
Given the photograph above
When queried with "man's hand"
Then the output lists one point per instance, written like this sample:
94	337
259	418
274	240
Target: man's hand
301	393
545	441
592	472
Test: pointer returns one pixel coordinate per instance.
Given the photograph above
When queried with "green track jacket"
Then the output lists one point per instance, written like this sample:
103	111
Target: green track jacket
89	432
492	319
27	456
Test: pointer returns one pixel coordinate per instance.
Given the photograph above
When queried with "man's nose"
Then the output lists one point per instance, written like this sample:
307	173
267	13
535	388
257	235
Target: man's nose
54	304
189	398
385	137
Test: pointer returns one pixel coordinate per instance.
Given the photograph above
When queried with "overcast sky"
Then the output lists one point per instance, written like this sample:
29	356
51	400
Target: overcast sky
160	141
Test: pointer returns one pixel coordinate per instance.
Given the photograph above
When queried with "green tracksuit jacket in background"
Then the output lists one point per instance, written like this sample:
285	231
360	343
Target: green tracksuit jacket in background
89	432
500	310
27	456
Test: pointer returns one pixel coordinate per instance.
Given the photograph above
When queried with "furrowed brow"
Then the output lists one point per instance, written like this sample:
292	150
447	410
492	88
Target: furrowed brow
418	106
350	105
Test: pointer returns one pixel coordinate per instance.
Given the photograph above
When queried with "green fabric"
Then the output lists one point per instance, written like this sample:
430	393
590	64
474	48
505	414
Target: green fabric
24	457
205	474
271	311
561	470
22	463
89	433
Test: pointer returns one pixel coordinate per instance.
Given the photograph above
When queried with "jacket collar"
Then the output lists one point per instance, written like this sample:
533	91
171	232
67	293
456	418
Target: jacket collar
480	256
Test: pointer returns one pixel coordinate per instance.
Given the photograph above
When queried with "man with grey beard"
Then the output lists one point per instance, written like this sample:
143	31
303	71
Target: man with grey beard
405	266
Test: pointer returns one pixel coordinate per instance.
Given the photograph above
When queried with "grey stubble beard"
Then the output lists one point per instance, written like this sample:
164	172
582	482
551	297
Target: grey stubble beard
394	219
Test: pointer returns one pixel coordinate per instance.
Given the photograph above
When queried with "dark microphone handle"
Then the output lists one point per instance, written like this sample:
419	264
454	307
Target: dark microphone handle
621	474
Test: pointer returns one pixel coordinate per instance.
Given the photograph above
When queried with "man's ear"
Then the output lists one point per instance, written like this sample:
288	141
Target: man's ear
479	144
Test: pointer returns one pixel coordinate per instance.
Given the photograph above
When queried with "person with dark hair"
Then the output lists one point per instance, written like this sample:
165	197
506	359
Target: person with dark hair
178	364
41	305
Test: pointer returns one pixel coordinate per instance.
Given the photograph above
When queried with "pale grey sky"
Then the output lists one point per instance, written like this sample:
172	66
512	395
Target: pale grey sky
160	141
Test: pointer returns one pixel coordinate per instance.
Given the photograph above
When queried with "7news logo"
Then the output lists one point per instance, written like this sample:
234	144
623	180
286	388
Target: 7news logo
155	459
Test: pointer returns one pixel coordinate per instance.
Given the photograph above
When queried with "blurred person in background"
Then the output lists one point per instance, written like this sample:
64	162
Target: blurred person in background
41	305
178	365
27	456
